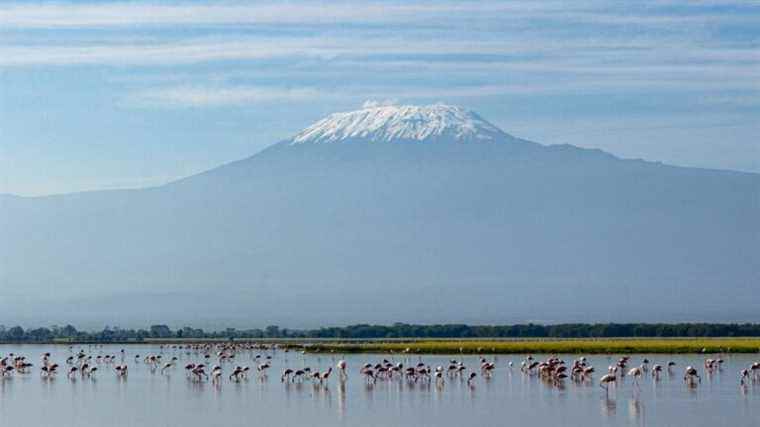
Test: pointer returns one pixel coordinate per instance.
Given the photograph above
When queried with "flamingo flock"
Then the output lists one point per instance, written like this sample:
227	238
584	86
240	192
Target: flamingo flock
212	360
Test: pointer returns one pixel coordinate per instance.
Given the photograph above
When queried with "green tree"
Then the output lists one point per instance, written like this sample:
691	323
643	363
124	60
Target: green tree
160	331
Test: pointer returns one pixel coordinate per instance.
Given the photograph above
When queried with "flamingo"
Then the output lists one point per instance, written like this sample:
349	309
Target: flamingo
439	381
656	370
755	369
189	368
743	376
471	378
200	372
460	369
606	380
487	368
325	375
216	374
342	366
236	373
167	366
636	373
7	371
689	374
262	368
369	374
121	371
49	370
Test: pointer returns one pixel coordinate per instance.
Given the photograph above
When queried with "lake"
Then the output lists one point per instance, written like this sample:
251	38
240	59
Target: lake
148	397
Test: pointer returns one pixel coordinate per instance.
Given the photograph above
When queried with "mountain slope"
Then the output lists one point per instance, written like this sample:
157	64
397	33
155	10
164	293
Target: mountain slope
346	225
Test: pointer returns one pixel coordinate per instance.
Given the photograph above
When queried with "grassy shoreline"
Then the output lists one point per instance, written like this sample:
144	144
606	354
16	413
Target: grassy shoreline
551	346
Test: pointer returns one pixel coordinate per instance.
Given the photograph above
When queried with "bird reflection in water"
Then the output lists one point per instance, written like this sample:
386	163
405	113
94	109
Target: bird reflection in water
609	406
341	399
325	395
636	411
369	387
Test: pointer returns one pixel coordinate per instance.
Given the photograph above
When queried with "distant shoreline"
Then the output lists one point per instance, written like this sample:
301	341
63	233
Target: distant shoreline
395	331
468	346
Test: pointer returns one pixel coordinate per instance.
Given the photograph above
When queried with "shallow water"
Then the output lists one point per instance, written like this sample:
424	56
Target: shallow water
149	398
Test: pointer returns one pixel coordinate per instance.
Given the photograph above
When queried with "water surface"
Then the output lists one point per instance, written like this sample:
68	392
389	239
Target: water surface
149	398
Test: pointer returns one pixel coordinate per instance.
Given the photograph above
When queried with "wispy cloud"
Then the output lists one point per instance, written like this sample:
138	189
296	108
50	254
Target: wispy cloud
183	52
99	15
488	62
22	15
534	29
462	50
749	99
195	96
411	61
226	96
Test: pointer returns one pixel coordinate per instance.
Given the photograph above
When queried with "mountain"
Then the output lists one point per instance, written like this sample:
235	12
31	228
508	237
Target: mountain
393	213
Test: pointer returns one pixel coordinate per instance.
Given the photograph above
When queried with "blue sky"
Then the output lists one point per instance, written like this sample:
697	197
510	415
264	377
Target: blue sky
100	95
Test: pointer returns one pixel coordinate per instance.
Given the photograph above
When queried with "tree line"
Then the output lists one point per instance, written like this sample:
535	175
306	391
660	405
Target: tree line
396	330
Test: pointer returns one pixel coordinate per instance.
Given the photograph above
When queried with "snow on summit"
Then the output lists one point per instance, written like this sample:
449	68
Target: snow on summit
384	123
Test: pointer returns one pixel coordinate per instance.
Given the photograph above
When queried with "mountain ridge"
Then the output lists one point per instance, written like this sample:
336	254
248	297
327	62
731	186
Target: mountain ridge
340	233
334	129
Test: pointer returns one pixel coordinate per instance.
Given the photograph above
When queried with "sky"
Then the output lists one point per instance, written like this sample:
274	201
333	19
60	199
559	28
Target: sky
100	95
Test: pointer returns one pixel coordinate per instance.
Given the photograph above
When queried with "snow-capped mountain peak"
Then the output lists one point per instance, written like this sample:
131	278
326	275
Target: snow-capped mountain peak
385	123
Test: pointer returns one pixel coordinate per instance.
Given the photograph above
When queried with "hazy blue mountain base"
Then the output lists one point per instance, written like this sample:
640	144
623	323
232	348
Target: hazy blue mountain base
318	234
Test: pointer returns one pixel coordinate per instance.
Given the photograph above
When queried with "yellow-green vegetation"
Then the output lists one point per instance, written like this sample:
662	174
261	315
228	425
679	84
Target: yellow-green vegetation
589	346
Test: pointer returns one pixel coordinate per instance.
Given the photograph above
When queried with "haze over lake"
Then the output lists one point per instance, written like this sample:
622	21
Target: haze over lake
431	207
